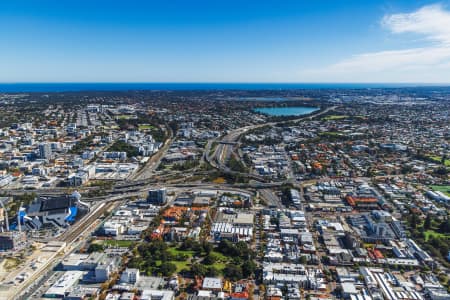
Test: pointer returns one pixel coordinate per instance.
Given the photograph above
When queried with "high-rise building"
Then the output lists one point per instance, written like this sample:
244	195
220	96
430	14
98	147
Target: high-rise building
45	151
157	196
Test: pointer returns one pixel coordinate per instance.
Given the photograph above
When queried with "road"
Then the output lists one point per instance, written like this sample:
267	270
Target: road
140	182
153	163
72	237
142	178
270	198
226	145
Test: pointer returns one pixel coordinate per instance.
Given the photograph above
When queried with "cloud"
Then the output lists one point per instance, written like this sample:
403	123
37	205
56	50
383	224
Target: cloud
433	22
430	63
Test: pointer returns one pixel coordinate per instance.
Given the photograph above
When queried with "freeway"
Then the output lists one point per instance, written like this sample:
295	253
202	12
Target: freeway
226	145
142	179
153	163
140	182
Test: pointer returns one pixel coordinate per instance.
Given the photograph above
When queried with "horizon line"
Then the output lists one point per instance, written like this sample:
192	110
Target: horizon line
219	82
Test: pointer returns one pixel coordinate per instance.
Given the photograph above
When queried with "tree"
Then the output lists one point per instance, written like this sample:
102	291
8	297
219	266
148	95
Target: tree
303	260
212	271
444	227
167	268
413	221
207	247
227	248
427	223
121	146
198	270
243	250
210	259
197	247
441	171
95	248
187	244
248	268
233	272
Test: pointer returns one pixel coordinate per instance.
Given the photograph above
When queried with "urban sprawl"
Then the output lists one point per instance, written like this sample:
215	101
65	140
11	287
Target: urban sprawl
199	195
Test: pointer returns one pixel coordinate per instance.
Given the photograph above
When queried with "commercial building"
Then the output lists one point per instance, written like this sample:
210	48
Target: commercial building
105	268
57	211
157	295
11	240
130	276
157	196
212	284
45	151
62	287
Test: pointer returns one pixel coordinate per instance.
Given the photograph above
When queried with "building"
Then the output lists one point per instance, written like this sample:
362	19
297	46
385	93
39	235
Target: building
157	196
212	284
5	180
63	286
295	197
45	151
157	295
104	269
4	223
349	289
11	240
437	196
82	262
113	228
57	211
185	200
115	155
77	179
130	276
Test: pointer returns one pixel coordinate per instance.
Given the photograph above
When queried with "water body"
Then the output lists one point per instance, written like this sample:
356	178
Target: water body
75	87
286	111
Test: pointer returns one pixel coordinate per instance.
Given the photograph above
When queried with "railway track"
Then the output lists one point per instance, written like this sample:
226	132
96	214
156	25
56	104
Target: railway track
73	233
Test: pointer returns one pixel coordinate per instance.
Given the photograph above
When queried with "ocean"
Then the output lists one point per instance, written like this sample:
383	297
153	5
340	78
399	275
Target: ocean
75	87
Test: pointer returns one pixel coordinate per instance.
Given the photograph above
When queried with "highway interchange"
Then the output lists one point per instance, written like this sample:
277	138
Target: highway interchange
139	184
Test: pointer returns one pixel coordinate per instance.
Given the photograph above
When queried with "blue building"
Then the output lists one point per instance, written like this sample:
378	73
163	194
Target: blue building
157	196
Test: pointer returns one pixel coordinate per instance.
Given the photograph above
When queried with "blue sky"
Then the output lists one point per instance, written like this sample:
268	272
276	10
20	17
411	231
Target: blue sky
225	41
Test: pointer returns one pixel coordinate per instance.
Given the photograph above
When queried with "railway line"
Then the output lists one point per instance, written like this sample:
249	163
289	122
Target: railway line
72	234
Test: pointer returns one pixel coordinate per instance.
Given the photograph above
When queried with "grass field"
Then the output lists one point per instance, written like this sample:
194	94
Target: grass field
176	251
118	243
331	133
146	127
125	117
432	233
438	159
334	117
441	188
180	264
220	264
185	264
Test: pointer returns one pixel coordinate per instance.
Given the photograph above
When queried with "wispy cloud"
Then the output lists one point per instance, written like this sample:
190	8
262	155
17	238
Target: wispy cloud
433	22
430	63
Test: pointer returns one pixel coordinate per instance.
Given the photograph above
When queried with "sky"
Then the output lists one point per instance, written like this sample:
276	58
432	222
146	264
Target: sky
225	41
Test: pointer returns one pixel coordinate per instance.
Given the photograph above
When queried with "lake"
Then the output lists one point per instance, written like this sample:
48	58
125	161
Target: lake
286	111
